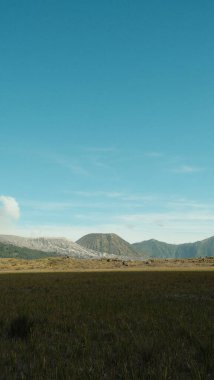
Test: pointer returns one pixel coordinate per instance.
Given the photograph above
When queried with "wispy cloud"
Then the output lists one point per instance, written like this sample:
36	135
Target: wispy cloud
63	206
118	195
101	149
170	232
153	154
146	198
151	217
71	163
187	169
170	219
99	163
189	204
92	194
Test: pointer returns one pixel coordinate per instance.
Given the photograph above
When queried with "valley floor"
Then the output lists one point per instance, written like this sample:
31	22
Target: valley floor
63	264
142	325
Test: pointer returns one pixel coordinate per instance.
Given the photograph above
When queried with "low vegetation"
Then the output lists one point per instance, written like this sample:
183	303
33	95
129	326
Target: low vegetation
13	251
110	325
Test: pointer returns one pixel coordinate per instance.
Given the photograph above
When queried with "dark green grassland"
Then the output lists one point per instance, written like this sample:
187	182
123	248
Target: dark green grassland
136	325
12	252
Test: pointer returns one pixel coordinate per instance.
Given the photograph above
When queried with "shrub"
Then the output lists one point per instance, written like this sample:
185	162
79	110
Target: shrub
20	327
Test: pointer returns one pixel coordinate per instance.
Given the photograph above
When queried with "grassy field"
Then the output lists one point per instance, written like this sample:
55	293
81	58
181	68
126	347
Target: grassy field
64	264
110	325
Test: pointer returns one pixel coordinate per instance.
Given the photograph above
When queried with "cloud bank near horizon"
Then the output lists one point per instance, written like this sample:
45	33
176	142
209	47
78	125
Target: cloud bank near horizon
178	221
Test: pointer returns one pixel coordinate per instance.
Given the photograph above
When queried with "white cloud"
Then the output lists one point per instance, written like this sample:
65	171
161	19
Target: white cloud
101	149
153	154
187	169
68	163
140	197
9	208
167	217
107	194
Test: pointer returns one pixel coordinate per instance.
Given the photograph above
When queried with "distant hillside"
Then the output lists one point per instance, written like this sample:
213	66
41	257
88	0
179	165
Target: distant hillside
10	251
109	243
60	246
155	248
158	249
95	246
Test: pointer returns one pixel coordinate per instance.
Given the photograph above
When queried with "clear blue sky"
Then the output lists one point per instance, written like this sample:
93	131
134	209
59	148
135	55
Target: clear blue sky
106	118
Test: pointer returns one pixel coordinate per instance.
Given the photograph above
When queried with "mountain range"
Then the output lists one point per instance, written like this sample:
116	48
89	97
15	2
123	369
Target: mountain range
98	246
158	249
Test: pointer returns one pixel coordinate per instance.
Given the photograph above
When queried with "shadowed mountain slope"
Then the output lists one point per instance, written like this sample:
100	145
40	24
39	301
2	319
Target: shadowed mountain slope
158	249
14	252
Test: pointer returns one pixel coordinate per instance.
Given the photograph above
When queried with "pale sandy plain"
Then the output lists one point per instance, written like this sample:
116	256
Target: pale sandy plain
63	264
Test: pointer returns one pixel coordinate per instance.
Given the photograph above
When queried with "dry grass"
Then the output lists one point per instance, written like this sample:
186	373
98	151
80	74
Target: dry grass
62	264
142	325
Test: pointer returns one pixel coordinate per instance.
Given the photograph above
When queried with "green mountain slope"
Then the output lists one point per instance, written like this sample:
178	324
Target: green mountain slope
108	243
158	249
155	248
12	251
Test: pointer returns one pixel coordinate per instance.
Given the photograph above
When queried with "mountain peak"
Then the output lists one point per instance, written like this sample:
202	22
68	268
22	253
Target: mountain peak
108	243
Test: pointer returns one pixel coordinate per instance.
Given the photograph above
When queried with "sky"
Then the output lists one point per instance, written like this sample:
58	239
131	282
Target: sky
106	118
